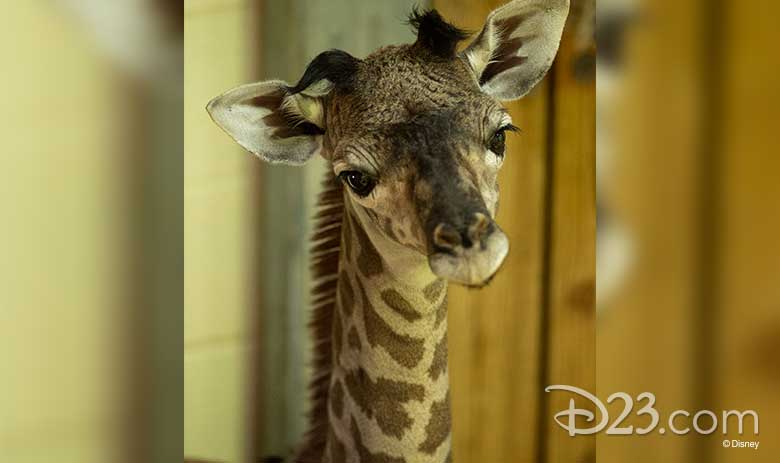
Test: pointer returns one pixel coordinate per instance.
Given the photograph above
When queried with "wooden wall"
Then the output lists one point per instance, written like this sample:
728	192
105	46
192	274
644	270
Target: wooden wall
696	321
746	334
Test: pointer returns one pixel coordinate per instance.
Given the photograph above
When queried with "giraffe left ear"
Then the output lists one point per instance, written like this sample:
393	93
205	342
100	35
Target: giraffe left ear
280	123
268	120
517	46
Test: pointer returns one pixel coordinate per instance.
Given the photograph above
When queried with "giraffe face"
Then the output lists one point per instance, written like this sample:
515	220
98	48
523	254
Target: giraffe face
422	167
416	132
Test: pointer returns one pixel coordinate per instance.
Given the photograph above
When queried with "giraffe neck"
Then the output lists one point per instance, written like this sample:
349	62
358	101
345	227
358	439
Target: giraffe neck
389	387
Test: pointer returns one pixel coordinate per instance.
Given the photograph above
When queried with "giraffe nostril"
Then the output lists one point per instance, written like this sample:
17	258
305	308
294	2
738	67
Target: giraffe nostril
479	228
446	237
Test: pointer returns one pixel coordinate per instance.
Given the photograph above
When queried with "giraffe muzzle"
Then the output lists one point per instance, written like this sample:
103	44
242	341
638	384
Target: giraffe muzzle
470	256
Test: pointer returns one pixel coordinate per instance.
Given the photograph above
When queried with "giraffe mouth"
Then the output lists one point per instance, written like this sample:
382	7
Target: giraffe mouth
474	266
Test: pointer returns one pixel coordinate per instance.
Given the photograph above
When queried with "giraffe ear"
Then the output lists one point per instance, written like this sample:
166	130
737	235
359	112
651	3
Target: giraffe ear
517	46
280	123
270	121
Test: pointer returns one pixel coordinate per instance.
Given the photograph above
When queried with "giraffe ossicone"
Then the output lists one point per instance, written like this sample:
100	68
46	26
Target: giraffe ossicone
414	138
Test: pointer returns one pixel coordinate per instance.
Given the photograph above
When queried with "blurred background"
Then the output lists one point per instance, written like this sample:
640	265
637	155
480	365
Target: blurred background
91	234
109	190
689	220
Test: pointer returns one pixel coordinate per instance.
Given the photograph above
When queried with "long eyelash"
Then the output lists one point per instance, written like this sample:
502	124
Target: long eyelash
510	128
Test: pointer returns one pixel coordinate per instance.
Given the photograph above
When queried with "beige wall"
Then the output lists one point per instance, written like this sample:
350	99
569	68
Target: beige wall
60	239
217	236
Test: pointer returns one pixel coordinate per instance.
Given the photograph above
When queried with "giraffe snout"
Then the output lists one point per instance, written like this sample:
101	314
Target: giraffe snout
480	228
448	238
468	254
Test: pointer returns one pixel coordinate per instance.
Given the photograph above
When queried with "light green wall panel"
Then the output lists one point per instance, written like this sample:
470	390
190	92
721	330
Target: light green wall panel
219	236
61	237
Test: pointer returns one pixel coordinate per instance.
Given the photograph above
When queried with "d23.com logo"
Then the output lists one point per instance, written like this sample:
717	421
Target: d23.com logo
679	421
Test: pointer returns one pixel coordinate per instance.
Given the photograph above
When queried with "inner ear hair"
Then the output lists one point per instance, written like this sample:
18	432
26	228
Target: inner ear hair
301	108
517	46
490	45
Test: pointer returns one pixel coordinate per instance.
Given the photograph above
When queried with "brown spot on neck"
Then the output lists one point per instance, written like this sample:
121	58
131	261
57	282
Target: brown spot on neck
369	261
346	293
353	340
346	238
366	456
405	350
388	229
338	335
383	400
439	362
438	428
441	312
396	301
434	289
336	398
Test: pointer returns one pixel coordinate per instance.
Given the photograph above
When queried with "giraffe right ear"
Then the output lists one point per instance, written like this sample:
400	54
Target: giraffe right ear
270	121
517	46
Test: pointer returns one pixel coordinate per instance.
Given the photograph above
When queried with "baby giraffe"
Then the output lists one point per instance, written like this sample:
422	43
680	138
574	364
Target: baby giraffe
414	138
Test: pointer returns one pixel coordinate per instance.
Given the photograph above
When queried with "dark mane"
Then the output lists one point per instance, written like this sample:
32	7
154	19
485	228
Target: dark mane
435	34
338	66
325	253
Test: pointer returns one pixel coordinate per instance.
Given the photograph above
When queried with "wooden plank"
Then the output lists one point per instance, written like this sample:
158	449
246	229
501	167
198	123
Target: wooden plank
697	321
494	332
570	302
645	329
746	374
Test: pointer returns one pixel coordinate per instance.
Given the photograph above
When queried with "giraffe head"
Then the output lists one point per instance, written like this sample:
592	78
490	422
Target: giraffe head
415	132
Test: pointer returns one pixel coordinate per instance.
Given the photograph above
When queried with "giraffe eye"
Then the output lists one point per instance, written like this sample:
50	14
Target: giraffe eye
497	143
359	182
